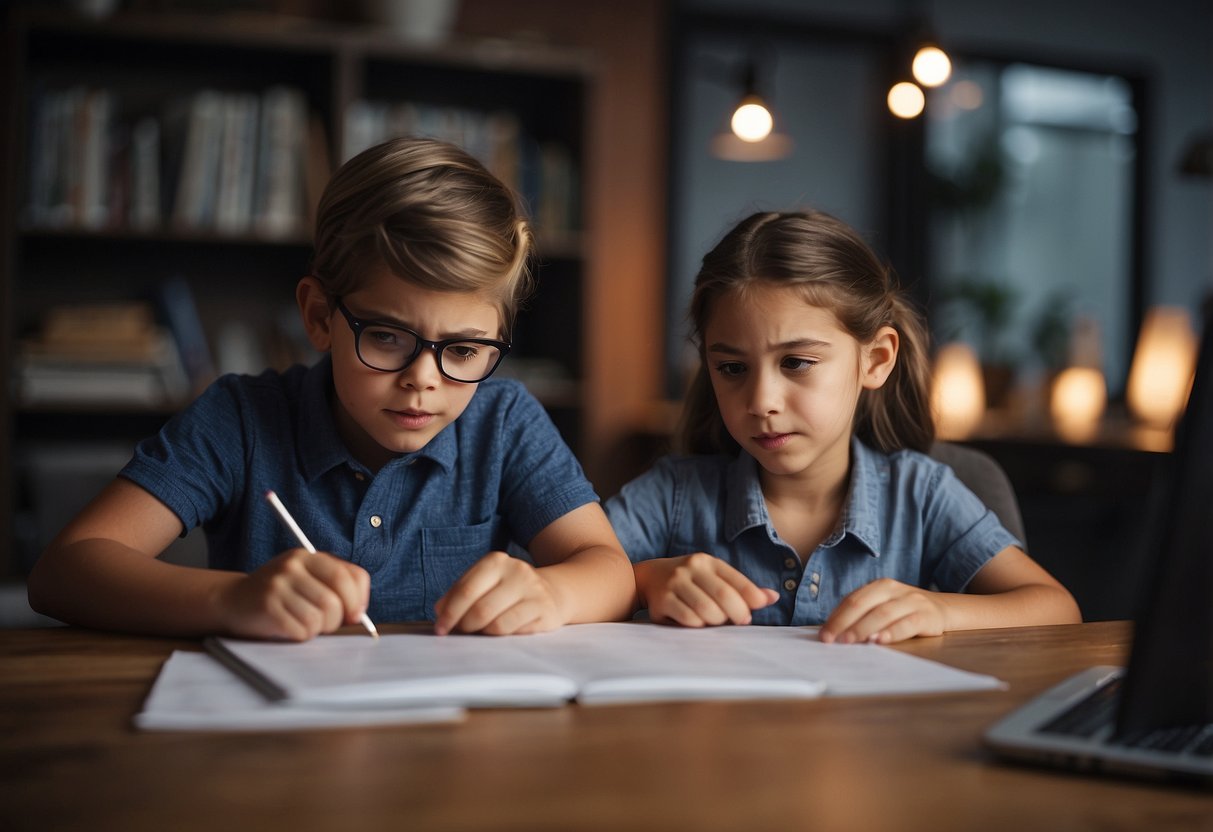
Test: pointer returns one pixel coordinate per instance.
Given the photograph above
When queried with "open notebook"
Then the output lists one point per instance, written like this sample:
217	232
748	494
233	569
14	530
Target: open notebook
591	663
1155	717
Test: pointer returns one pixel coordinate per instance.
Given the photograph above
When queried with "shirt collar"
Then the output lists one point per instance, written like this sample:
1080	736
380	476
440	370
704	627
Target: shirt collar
320	447
866	501
746	508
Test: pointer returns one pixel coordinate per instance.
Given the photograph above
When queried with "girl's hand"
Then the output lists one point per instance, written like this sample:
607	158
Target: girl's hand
698	590
296	596
883	612
499	595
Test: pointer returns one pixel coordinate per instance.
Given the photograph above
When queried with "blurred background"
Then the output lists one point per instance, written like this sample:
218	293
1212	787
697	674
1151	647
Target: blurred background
1042	187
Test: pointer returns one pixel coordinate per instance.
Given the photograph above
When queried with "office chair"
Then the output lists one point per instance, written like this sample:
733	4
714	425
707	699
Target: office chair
985	478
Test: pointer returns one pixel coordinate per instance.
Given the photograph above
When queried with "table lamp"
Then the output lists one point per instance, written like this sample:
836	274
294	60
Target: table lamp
1160	376
958	397
1077	403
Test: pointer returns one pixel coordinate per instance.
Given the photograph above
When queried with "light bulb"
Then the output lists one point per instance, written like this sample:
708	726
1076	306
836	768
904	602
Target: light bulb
906	100
752	121
931	66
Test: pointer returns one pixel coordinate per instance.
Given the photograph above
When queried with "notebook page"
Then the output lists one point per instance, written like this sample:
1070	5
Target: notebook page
858	669
616	656
405	669
194	691
637	663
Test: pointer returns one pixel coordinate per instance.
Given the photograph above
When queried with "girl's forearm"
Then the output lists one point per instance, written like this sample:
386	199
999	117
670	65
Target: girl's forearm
100	583
1024	606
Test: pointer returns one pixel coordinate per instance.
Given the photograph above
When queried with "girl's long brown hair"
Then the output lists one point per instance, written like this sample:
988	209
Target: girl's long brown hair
835	269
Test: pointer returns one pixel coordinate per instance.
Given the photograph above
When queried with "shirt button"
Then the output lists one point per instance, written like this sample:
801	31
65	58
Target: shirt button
358	475
813	590
816	577
791	563
376	520
789	584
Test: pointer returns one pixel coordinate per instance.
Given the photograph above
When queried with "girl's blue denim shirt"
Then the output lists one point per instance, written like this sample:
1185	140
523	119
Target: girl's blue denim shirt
906	517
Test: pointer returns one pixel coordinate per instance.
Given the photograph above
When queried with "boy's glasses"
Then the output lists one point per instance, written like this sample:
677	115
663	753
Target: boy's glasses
390	349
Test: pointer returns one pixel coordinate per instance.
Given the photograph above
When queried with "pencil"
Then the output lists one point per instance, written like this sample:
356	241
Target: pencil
290	523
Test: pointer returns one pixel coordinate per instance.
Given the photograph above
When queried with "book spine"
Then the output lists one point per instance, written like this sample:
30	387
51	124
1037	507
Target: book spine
280	198
94	153
145	211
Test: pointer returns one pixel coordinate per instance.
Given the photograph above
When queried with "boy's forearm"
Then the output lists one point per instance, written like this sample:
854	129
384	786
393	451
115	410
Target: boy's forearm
99	583
593	584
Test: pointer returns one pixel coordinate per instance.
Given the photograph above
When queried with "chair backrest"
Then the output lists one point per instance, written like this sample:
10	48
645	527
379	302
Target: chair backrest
985	478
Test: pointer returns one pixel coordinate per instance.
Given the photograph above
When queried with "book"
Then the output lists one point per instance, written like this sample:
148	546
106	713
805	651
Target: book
237	158
145	213
590	663
278	194
175	300
198	183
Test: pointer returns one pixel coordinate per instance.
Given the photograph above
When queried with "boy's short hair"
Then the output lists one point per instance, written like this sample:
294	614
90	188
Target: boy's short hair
433	215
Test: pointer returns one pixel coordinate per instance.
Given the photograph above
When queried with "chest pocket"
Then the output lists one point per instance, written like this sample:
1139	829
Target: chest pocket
449	552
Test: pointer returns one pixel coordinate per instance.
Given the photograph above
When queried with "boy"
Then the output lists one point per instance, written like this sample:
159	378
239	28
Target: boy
408	470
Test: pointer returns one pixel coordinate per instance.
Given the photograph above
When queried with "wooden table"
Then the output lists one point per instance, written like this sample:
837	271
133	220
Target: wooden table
69	758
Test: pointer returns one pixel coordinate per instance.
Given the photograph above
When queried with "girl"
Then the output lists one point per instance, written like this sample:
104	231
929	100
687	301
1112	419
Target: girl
809	498
408	466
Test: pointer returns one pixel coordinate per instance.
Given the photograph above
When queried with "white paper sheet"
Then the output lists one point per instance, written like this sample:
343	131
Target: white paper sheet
194	692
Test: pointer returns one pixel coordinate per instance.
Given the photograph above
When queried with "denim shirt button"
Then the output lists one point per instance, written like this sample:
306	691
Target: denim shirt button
813	588
376	520
790	584
791	563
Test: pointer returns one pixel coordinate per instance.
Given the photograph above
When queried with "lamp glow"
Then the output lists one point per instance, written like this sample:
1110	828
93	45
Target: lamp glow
1160	376
958	397
1077	404
752	121
931	66
906	100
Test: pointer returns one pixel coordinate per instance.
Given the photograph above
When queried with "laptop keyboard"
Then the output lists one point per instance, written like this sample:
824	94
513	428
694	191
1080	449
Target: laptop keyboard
1097	711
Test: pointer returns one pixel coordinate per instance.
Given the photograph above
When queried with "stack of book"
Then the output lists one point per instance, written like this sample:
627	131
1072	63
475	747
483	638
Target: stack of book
101	354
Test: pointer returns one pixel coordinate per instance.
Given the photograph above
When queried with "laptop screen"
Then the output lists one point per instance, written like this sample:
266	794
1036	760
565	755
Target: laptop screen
1170	675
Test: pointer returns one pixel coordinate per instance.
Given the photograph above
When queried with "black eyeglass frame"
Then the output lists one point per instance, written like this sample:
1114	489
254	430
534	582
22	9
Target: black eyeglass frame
359	325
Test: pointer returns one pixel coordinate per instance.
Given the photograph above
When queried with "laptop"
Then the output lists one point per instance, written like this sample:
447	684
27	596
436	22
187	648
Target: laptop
1154	717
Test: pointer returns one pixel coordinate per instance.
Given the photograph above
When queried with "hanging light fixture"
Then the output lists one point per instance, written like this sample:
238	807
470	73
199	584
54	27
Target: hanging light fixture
906	100
751	136
752	120
931	65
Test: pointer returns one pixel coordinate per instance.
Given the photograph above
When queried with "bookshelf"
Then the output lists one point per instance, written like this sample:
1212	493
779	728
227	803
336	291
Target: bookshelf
89	219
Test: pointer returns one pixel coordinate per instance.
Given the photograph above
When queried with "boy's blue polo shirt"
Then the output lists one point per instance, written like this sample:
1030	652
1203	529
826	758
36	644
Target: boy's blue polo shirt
498	473
906	517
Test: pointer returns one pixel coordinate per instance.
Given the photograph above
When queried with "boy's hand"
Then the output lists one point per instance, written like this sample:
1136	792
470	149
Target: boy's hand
499	595
885	611
698	590
295	596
